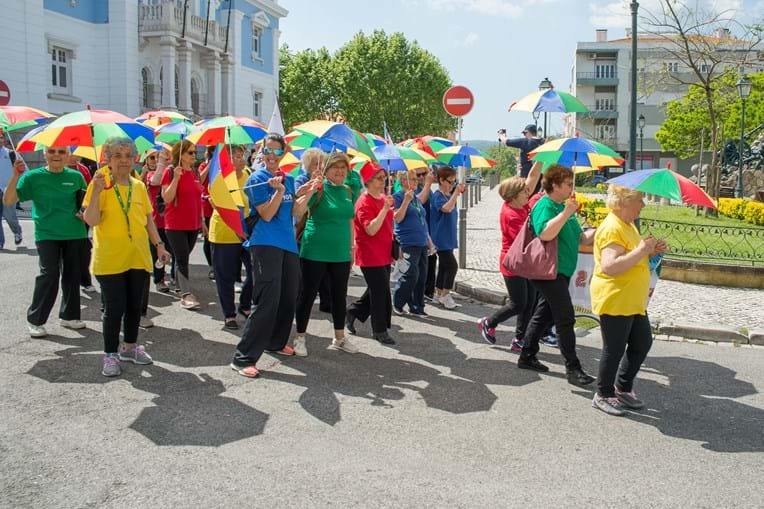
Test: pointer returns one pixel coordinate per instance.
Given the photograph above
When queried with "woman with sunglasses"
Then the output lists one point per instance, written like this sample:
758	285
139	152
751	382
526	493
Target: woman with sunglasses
276	266
373	225
153	180
60	236
516	192
443	219
117	206
412	233
182	195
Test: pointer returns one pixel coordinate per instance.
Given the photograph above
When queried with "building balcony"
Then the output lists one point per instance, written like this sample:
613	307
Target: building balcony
607	111
167	19
597	78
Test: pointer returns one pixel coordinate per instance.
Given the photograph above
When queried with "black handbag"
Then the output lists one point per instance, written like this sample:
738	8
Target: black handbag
396	250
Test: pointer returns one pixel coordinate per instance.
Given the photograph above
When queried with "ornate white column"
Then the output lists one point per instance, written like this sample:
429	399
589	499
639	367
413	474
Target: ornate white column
167	44
226	75
211	63
184	51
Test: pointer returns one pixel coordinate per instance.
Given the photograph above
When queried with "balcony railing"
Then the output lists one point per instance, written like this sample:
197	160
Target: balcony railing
167	19
606	110
597	76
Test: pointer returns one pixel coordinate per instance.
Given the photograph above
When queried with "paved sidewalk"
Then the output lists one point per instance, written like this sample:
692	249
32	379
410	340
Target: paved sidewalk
672	300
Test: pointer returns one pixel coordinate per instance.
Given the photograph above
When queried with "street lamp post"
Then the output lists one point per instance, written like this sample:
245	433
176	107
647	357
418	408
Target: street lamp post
744	90
633	111
536	115
641	142
545	85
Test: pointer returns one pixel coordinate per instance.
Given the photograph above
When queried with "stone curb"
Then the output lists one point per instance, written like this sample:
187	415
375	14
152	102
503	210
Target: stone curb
704	332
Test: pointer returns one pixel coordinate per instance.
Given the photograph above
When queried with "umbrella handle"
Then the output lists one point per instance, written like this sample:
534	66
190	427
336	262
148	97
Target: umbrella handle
18	154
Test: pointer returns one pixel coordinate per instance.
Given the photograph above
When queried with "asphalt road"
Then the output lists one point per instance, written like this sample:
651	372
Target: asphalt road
440	420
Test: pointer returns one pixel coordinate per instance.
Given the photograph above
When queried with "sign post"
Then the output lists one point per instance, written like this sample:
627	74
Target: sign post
458	101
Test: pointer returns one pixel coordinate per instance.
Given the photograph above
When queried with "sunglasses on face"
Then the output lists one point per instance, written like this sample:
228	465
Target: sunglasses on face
450	181
151	157
275	151
420	175
190	152
60	151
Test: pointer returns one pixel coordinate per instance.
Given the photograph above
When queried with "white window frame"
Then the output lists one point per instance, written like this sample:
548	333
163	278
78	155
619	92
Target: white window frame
672	66
260	22
257	104
705	68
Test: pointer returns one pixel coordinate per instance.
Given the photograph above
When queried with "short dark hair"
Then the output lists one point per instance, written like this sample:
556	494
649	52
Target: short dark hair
277	138
555	174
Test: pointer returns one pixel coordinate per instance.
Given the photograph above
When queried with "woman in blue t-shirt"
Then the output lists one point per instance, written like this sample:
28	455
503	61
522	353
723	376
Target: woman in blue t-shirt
443	218
411	230
273	250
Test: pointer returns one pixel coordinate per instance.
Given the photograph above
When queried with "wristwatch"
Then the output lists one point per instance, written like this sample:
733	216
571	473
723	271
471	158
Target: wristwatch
160	243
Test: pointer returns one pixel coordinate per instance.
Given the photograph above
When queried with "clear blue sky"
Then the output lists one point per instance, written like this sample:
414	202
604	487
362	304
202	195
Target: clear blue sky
500	49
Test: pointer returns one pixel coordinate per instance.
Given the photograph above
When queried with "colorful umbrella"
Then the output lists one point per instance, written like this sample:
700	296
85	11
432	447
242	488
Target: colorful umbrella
20	117
90	129
429	144
224	190
161	117
329	137
666	183
230	130
464	155
374	140
549	101
290	163
577	153
395	158
25	145
172	132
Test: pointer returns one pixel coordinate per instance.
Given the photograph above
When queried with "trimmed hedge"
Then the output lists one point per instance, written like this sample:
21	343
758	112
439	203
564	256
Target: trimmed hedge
751	212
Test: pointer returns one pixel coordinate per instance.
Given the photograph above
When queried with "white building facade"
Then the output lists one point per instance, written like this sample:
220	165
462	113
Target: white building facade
202	58
601	79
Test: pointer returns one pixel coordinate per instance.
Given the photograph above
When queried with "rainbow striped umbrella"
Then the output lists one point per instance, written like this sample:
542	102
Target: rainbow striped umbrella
231	130
161	117
577	153
549	101
20	117
89	129
395	158
329	137
429	144
464	155
172	132
666	183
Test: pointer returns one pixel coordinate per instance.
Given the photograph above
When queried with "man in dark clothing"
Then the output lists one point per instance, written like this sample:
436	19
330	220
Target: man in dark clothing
527	143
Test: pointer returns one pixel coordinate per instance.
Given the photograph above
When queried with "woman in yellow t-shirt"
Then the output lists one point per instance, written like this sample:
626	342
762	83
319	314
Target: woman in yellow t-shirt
619	291
228	254
117	206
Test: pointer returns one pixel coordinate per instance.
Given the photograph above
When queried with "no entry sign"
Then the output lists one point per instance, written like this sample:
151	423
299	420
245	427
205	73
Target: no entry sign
458	101
5	94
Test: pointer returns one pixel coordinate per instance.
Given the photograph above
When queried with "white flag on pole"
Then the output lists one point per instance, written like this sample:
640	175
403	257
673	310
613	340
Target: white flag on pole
276	125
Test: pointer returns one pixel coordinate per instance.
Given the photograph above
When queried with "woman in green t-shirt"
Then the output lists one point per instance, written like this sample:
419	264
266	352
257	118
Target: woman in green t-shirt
326	248
554	217
60	235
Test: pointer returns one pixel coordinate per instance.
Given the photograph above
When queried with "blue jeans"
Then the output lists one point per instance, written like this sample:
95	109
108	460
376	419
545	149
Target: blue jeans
410	286
9	214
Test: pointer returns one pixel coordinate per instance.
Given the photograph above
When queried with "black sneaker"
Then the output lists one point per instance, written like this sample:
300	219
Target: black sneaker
531	363
384	338
350	323
418	312
579	377
488	333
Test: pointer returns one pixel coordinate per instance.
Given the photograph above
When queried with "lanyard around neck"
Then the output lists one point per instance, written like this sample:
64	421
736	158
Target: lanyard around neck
125	209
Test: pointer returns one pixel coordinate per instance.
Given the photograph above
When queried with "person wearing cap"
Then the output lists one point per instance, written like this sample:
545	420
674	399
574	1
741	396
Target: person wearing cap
373	227
527	143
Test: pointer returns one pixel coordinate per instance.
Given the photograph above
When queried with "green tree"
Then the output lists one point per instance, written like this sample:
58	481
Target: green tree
306	90
380	78
506	159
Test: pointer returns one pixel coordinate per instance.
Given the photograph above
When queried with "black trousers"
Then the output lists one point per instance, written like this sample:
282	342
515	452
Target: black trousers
122	296
521	303
447	268
554	306
57	259
226	261
182	243
376	301
313	274
87	250
206	244
277	281
429	284
629	334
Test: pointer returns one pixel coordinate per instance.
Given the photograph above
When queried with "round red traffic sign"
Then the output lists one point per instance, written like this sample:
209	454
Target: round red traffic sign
458	101
5	94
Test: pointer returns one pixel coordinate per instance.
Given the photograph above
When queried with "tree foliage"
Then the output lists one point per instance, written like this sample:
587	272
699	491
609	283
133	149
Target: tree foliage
506	159
372	79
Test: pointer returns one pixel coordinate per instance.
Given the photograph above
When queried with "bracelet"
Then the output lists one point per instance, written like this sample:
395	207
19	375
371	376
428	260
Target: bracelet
160	243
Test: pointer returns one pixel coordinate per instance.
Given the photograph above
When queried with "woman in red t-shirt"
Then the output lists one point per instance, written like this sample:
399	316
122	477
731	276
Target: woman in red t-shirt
515	191
373	225
182	195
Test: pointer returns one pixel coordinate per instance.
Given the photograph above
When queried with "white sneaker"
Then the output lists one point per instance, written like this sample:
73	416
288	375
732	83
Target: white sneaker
146	322
300	349
89	289
448	302
345	345
37	331
73	324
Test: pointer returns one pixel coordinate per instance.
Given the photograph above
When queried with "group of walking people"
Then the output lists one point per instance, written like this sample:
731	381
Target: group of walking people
303	235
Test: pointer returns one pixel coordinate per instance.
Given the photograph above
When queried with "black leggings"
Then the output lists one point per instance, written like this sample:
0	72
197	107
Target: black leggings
121	295
429	285
447	268
277	281
521	303
182	243
376	300
313	273
629	334
206	245
58	259
554	306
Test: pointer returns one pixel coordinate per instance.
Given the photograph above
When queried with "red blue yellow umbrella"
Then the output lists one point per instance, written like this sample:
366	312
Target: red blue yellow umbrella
577	153
549	101
666	183
20	117
161	117
230	130
464	155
